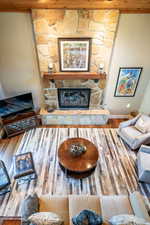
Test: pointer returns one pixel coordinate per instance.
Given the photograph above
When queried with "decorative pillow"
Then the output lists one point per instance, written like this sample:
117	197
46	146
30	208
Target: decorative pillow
45	218
143	124
29	206
127	220
87	217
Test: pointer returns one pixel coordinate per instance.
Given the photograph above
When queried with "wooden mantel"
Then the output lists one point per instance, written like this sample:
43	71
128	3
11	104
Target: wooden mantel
74	75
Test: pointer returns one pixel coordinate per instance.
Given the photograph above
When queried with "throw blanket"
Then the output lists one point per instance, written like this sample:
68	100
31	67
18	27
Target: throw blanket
87	217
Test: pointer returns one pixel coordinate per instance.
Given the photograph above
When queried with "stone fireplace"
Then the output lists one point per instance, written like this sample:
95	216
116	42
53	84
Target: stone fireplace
99	25
95	96
74	98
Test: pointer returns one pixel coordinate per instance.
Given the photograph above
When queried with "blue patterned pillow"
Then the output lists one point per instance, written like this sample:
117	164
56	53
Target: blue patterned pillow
87	217
29	206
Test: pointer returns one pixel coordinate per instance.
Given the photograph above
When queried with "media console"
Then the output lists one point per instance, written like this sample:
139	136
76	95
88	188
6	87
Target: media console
17	124
17	114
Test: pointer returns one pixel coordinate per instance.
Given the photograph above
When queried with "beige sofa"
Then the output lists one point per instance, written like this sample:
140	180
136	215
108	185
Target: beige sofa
107	206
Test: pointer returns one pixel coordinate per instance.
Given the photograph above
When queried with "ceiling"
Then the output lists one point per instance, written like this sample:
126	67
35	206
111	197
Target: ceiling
124	5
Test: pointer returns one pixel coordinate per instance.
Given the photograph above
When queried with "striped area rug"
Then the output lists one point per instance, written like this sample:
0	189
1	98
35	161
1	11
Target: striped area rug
115	172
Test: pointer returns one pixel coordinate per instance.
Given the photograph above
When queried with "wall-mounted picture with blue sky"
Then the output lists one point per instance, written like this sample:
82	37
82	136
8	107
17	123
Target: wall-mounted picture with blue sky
127	81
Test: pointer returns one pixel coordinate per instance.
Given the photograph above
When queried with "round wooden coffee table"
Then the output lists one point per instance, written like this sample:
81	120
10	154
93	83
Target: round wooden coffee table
79	166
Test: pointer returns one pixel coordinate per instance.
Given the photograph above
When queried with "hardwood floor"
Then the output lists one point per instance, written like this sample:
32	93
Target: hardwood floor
115	172
10	222
9	146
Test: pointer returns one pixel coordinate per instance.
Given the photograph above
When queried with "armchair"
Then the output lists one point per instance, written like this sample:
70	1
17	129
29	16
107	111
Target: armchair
132	136
143	159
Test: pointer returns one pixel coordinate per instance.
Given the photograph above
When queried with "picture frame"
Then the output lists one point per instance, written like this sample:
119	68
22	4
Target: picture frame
23	165
74	54
4	176
127	81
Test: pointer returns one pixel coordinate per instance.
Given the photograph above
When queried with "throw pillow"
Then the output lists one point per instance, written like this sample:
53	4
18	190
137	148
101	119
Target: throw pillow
127	220
45	218
29	206
143	124
87	217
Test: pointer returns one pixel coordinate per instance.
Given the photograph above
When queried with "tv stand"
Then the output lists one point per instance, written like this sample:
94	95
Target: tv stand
17	124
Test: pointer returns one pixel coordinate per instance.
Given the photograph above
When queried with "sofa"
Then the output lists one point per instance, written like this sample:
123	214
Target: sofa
131	135
107	206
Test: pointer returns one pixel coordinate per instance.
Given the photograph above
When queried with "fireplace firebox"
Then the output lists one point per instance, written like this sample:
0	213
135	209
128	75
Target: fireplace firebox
74	98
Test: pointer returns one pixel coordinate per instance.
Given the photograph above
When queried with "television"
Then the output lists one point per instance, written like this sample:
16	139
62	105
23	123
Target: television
17	104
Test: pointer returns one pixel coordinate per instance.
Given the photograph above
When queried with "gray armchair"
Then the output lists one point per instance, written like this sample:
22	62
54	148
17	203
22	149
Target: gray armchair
132	136
143	159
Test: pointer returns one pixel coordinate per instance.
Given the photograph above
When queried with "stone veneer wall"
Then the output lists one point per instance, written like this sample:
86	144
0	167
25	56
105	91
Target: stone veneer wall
49	25
100	25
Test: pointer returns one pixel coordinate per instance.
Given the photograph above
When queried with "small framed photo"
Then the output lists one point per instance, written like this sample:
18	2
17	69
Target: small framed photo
23	165
127	82
74	54
4	177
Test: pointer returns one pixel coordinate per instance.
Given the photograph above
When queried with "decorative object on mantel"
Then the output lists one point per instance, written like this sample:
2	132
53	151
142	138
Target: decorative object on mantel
77	149
101	68
4	179
74	54
50	68
127	81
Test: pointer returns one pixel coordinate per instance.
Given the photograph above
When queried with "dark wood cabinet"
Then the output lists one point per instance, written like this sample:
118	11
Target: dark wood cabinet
19	123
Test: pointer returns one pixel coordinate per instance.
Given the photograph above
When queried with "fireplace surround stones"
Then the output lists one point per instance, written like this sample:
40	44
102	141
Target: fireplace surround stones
96	93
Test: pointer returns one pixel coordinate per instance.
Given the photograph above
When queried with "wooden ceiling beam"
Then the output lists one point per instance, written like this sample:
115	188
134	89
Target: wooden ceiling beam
125	6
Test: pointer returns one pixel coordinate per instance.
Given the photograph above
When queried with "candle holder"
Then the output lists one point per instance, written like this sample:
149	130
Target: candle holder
50	68
101	68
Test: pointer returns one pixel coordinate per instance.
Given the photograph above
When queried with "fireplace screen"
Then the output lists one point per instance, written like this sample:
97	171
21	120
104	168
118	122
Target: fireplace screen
74	98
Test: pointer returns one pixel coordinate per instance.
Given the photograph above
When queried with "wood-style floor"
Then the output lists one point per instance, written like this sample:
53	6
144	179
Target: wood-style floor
10	222
9	146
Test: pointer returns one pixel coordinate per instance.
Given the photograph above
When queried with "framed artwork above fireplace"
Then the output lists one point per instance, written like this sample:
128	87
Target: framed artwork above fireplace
74	54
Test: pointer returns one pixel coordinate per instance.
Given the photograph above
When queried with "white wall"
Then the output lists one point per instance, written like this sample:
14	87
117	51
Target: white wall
145	106
1	91
19	69
132	48
18	62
